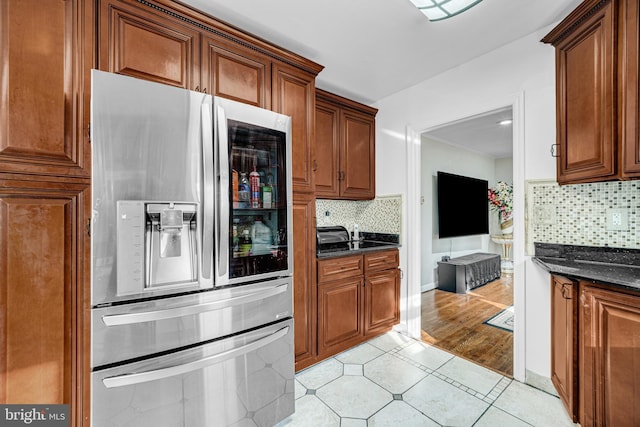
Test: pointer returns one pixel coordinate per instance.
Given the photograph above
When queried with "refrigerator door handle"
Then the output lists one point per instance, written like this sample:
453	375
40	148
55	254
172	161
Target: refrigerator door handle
171	313
208	195
159	374
223	159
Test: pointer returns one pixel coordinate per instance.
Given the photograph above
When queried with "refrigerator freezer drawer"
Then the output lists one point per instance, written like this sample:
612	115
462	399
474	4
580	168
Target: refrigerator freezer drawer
128	331
246	379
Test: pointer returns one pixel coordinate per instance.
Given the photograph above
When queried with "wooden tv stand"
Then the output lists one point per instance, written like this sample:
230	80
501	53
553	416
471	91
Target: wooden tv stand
467	272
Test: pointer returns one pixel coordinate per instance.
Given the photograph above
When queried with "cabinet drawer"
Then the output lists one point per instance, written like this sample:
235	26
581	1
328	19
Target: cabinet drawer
382	260
339	268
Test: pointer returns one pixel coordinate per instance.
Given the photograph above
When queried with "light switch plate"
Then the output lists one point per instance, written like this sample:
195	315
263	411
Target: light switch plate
618	219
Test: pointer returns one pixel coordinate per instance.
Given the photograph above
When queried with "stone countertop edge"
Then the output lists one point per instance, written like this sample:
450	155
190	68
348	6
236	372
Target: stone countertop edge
352	252
618	267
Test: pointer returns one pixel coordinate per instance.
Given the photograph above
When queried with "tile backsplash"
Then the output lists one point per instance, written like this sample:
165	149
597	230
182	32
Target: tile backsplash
577	214
381	215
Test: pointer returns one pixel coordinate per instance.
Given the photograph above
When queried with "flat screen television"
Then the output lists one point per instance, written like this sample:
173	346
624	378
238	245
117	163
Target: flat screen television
463	206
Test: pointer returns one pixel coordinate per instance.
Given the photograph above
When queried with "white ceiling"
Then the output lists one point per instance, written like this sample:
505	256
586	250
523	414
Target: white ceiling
481	134
374	48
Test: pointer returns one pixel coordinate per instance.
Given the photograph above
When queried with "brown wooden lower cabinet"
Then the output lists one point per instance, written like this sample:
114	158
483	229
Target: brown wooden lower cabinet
358	298
564	335
340	315
42	242
304	274
600	386
382	293
609	357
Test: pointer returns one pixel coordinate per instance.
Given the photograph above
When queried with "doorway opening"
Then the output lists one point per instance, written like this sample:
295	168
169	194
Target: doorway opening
478	324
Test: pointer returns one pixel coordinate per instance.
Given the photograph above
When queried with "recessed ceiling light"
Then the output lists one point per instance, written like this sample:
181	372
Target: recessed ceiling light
505	122
437	10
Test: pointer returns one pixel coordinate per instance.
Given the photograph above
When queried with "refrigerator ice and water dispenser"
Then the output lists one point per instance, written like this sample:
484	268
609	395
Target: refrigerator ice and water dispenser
157	245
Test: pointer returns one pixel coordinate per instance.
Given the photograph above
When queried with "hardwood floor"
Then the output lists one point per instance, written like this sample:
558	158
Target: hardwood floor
454	322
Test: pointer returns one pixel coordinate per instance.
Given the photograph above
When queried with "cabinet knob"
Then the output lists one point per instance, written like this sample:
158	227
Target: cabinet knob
315	165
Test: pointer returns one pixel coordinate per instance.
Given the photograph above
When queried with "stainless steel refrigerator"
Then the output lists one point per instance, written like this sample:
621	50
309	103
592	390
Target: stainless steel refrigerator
191	277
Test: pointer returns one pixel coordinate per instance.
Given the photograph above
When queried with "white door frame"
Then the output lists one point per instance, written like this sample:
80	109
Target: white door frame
413	142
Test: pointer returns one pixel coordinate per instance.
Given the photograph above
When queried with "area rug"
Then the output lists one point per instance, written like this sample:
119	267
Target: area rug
502	320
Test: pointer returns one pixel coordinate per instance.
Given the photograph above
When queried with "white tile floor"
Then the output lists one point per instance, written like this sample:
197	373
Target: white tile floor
395	381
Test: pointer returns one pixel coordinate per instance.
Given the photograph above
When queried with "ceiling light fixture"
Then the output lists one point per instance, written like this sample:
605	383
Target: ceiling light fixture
437	10
505	122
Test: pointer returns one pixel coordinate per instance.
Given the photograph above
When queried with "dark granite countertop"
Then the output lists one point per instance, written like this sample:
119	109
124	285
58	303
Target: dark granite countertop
369	242
617	267
363	247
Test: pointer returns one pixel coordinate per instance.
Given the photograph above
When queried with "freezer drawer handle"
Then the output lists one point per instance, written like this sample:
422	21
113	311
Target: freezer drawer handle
159	374
152	316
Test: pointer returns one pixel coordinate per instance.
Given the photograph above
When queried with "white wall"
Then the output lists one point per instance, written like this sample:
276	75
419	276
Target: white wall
504	169
520	72
437	156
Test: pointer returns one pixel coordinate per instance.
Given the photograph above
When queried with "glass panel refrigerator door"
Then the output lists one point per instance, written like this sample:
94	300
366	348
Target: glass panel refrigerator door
259	194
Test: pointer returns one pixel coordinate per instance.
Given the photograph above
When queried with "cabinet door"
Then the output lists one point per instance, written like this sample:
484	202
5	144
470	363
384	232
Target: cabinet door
357	156
629	29
327	150
339	315
610	362
41	296
293	95
136	42
564	346
44	93
304	283
242	75
586	90
382	301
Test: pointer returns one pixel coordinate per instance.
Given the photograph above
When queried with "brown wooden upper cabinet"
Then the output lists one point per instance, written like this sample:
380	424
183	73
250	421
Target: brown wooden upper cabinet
162	45
597	92
139	42
293	94
345	148
163	48
45	87
236	73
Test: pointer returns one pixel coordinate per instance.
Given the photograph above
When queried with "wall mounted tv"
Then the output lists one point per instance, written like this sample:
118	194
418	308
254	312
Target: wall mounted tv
463	207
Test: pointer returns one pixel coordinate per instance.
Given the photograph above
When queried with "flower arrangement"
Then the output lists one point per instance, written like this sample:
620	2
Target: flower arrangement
501	200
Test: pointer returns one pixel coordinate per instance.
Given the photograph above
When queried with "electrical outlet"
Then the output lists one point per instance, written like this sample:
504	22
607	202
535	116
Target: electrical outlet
544	214
618	219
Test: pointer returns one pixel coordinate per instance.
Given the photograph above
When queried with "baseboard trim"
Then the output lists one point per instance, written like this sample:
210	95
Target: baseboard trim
428	286
540	382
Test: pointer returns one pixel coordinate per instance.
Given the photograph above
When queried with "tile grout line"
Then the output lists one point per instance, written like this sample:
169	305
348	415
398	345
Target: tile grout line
489	398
